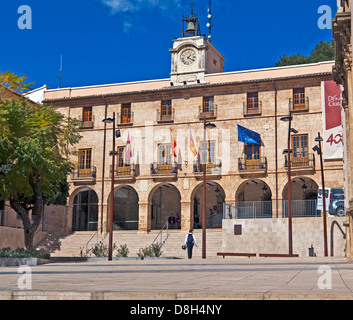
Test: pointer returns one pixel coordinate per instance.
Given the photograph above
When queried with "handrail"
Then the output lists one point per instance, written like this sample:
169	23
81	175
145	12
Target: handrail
160	234
95	234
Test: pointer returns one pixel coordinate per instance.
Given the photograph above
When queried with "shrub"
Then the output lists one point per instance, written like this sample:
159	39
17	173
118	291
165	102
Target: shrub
101	249
153	250
23	253
123	251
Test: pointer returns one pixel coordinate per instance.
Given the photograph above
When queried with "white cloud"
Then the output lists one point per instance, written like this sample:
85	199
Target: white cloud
121	6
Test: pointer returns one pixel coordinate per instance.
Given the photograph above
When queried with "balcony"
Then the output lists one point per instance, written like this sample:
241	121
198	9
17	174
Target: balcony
301	163
299	108
84	176
246	166
164	171
86	124
212	169
254	111
210	113
162	118
125	173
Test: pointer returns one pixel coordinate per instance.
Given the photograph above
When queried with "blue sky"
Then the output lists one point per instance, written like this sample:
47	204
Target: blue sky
109	41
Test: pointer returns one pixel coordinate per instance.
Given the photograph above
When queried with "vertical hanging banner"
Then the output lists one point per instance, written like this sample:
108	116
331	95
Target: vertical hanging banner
332	120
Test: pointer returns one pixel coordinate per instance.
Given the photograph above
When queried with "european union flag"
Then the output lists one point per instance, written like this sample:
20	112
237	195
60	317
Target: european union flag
248	136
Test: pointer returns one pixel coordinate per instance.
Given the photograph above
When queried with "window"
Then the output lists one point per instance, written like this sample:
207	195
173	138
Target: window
85	158
208	105
126	113
87	114
166	108
253	102
300	150
211	152
299	99
164	156
252	156
122	161
123	165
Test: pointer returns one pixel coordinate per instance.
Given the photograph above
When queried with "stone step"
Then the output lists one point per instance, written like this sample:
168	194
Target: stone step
75	243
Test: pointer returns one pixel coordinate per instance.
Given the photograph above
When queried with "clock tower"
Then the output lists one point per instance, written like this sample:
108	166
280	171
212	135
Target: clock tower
193	55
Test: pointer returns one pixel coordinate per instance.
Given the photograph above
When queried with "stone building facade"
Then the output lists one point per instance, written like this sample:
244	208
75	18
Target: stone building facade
342	73
154	185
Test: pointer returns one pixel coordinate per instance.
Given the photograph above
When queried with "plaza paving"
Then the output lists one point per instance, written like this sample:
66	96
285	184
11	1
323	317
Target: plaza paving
182	279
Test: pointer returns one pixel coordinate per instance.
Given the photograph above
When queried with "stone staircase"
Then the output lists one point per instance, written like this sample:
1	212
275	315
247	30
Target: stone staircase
73	244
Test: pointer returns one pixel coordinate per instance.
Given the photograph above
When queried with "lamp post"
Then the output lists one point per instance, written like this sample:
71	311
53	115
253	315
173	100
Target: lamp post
319	151
290	235
204	150
110	248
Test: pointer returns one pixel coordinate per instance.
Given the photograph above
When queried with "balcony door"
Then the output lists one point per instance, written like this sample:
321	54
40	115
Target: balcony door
252	156
85	161
123	164
300	150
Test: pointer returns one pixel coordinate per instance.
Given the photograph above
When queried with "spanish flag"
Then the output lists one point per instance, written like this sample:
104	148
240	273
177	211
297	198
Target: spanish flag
192	146
173	144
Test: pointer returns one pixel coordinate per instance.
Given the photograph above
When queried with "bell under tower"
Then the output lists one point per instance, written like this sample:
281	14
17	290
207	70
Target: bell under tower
193	55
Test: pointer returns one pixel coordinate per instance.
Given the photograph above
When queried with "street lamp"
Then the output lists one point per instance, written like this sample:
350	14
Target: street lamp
113	153
318	150
203	152
290	236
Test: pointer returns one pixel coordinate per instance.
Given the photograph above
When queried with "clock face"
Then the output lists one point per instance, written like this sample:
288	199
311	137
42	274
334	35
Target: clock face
188	57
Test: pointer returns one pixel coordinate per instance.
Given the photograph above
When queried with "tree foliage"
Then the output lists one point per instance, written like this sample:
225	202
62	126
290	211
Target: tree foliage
323	51
14	82
35	146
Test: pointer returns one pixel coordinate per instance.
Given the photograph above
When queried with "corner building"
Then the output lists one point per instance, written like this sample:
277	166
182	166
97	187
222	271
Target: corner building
151	184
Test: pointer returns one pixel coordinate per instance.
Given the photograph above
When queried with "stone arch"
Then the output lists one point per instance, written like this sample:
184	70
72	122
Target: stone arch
84	209
126	208
215	197
164	202
304	192
253	199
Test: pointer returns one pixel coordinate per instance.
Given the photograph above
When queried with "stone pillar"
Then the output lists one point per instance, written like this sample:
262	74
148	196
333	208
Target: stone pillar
144	217
187	219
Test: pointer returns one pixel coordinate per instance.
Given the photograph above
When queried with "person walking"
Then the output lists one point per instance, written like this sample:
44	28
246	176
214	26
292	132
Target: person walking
190	241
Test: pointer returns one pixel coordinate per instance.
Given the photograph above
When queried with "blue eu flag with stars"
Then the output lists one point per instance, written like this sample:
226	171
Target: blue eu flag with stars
248	136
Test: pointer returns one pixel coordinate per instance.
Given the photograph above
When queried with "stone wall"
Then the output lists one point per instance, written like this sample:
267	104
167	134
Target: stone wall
271	236
14	237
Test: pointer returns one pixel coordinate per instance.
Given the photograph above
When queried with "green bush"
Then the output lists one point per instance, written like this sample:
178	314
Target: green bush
22	253
101	250
153	250
122	251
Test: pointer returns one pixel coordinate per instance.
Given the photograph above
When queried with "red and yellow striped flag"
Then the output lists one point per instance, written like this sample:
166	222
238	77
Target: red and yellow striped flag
173	144
192	146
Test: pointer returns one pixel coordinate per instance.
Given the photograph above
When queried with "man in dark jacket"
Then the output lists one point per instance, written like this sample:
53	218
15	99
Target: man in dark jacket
190	241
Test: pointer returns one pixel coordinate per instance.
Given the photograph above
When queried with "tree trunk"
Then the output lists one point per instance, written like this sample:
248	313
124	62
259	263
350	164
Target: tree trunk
28	227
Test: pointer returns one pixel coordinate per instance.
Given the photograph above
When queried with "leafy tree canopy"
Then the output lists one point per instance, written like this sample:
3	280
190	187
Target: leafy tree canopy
323	51
35	146
14	82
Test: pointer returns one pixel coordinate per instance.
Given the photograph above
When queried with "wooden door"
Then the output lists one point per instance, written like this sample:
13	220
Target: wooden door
252	156
300	156
85	159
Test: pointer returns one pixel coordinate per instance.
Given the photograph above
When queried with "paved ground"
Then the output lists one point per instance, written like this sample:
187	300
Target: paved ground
181	279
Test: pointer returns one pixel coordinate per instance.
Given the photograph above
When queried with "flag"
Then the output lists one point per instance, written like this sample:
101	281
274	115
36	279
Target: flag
128	153
192	146
248	136
173	144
